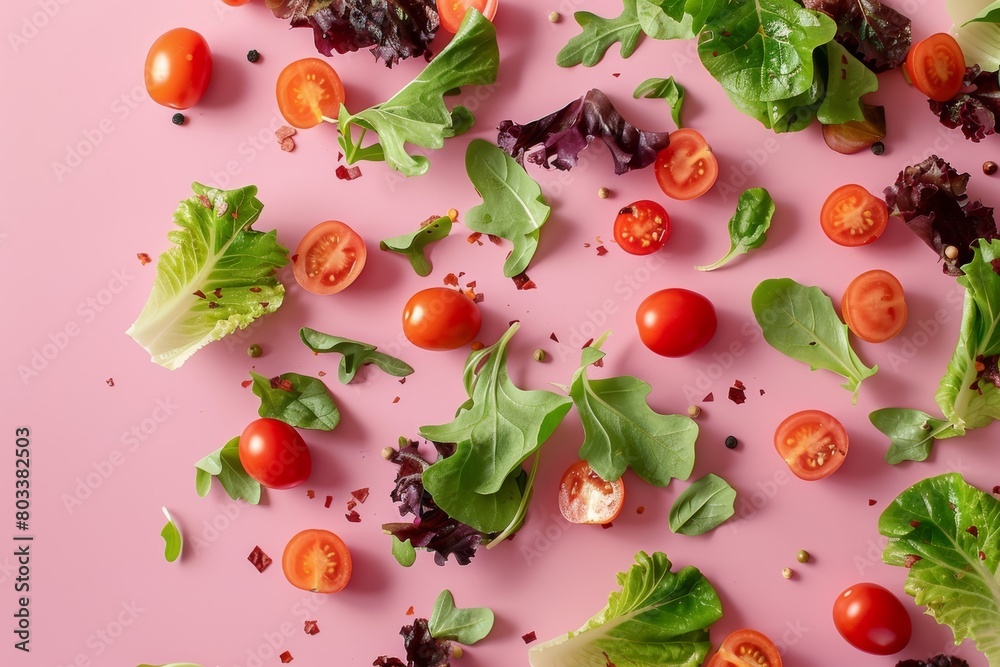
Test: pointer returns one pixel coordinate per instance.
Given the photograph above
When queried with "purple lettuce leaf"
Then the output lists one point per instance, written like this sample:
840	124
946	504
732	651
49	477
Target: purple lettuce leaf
976	108
930	198
937	661
557	139
877	35
422	650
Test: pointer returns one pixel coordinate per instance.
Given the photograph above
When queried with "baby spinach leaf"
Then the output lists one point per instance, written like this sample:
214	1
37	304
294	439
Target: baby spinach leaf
990	14
224	464
297	400
847	80
800	322
599	34
912	433
465	626
496	430
666	89
412	245
356	354
172	538
621	430
748	226
790	115
706	504
417	113
403	551
513	206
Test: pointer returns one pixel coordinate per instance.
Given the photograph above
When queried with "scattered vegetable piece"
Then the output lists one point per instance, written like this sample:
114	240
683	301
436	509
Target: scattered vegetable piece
311	628
935	66
403	552
746	643
465	626
874	307
259	559
706	504
748	226
172	537
274	454
355	354
348	173
871	619
851	216
528	637
686	168
224	464
941	660
975	107
438	318
412	245
813	443
641	228
877	35
675	322
297	400
317	560
666	89
178	69
329	258
586	498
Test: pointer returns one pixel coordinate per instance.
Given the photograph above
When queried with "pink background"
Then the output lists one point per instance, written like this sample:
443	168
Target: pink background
101	592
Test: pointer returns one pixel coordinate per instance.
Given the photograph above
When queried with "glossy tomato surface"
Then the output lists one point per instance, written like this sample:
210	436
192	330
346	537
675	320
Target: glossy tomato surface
675	322
309	91
813	443
852	216
936	66
872	619
439	318
586	498
178	68
274	454
453	11
687	167
329	258
874	306
642	227
317	560
746	648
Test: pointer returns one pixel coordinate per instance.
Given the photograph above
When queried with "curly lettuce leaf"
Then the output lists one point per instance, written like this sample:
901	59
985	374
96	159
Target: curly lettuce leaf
976	108
218	278
875	34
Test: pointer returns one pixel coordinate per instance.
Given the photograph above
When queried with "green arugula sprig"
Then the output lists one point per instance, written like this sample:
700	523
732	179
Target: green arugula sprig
668	90
355	354
748	226
412	245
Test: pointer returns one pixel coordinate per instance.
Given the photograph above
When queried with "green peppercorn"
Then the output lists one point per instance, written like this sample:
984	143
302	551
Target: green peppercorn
878	148
255	351
732	442
178	119
538	355
802	556
253	55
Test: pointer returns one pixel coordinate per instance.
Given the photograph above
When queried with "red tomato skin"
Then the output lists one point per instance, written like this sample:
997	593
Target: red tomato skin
440	319
936	47
274	454
451	12
842	200
760	650
874	306
235	3
675	322
178	68
872	619
296	96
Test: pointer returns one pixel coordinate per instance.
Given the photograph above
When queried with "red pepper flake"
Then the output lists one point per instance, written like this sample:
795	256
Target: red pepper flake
586	245
199	294
217	292
476	346
259	559
640	509
871	502
996	489
523	282
278	383
286	657
246	383
496	240
395	400
910	560
972	530
264	304
737	395
616	74
739	384
479	298
607	525
321	373
348	173
914	524
451	280
761	392
982	555
709	397
552	336
284	132
110	382
295	258
402	380
351	504
530	637
474	238
312	628
255	290
599	363
353	516
471	285
360	494
213	304
409	612
340	156
144	258
310	494
601	251
329	501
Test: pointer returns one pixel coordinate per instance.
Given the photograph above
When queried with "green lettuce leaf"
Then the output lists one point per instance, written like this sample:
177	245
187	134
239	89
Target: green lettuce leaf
666	89
948	534
173	540
658	618
355	355
847	80
224	464
748	226
789	115
465	626
218	277
298	400
599	34
703	506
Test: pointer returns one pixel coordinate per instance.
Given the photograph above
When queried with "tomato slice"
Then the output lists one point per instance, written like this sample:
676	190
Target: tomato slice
317	560
586	498
746	648
813	444
686	168
453	11
309	92
936	66
852	216
874	307
642	227
329	258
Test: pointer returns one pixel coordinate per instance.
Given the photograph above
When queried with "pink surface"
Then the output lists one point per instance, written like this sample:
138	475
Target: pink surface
106	458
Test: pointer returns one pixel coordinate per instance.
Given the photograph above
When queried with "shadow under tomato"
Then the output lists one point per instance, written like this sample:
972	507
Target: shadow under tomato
369	575
228	84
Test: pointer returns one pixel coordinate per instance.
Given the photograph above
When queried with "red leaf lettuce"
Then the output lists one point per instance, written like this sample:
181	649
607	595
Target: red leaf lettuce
422	650
976	108
877	35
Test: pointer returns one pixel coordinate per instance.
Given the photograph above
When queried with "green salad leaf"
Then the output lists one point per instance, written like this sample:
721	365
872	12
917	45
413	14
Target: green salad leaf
417	114
622	431
706	504
403	551
789	115
947	534
465	626
513	206
172	538
989	14
801	323
980	40
355	354
913	433
224	465
665	89
847	80
218	277
600	34
412	245
297	400
173	664
748	226
659	617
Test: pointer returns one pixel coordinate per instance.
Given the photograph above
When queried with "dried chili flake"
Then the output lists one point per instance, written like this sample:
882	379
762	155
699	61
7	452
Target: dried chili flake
996	489
599	363
616	74
395	400
353	516
530	637
451	280
246	383
286	657
312	628
110	382
523	282
204	201
739	384
348	173
871	502
587	344
709	397
914	523
144	258
264	304
409	612
601	251
402	380
351	504
321	373
553	337
471	285
284	132
259	559
496	240
607	525
761	392
213	304
360	494
972	530
255	289
310	493
910	560
474	238
329	501
586	245
199	294
278	383
737	395
217	292
982	555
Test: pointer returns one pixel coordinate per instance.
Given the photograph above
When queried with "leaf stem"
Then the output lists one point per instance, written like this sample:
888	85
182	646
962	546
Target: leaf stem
522	509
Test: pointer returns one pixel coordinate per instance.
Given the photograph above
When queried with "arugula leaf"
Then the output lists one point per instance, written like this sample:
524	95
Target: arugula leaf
947	534
417	113
224	464
356	354
513	205
658	617
218	277
674	19
989	14
172	538
748	226
599	34
912	433
666	89
801	323
297	400
763	50
465	626
703	506
847	80
412	245
403	551
621	430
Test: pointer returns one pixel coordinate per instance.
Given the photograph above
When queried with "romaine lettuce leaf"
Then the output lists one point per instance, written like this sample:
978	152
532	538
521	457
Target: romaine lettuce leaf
218	277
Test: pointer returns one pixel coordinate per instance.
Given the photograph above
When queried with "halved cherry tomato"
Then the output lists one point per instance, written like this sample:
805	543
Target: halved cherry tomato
586	498
178	68
852	216
813	444
317	560
274	454
329	258
642	227
675	322
746	648
235	3
439	318
874	307
686	168
872	619
309	91
936	66
453	11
